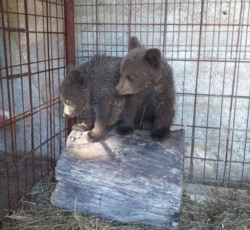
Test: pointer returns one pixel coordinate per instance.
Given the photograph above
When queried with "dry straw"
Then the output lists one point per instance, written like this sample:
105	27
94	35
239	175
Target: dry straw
228	210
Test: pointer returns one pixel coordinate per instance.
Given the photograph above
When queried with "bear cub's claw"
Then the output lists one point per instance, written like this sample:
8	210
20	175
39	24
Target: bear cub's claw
94	137
159	135
125	130
81	127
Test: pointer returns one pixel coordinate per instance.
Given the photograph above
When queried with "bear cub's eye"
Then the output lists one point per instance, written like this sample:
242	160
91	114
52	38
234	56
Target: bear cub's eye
129	77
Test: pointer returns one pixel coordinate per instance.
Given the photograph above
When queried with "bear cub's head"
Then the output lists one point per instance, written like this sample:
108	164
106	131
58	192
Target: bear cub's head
73	92
140	68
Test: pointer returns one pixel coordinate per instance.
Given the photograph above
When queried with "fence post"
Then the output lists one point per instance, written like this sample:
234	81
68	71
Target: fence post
69	43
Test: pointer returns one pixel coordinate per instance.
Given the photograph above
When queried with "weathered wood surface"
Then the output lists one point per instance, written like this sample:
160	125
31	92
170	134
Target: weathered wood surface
126	179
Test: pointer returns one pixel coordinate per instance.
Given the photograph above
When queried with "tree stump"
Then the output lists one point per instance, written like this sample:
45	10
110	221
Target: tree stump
122	178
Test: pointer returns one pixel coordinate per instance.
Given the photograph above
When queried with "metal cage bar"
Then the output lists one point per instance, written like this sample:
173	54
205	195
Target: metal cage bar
207	44
32	61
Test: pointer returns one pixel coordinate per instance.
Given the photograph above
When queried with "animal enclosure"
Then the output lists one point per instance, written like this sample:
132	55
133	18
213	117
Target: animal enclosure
32	62
207	43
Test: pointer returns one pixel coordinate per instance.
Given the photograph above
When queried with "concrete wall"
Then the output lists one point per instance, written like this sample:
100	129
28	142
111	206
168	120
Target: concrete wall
32	60
208	47
206	43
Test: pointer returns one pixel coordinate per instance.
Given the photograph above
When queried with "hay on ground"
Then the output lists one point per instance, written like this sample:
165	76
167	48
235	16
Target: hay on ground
224	209
227	210
36	213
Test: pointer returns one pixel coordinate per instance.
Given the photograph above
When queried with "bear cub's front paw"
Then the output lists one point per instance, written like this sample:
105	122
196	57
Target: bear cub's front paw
125	129
160	134
81	127
94	136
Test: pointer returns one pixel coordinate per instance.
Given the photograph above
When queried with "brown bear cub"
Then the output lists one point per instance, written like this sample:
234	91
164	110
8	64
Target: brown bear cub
146	79
90	90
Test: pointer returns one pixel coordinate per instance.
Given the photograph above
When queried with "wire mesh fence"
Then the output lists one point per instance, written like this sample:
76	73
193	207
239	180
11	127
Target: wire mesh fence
32	60
207	43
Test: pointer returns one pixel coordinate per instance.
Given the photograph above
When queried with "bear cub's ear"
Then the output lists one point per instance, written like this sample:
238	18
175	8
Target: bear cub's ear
76	76
153	57
133	43
69	68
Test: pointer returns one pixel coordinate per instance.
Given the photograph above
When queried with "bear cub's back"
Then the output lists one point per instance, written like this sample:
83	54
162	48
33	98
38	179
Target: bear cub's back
103	72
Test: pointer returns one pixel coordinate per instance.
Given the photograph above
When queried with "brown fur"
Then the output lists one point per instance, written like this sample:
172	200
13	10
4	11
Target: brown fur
90	89
147	80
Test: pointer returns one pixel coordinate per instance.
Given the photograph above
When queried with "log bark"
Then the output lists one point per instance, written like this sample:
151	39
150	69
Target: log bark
122	178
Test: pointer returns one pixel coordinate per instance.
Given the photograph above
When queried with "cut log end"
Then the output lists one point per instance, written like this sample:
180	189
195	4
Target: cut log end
122	178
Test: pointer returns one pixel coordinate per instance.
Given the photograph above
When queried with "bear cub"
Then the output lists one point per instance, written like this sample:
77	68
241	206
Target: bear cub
90	90
147	80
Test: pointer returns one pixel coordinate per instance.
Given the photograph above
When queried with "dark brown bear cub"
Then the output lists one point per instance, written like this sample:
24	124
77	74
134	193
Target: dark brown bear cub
146	79
90	89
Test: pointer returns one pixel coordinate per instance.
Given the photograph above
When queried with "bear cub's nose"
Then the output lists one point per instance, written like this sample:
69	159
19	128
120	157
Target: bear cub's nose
66	115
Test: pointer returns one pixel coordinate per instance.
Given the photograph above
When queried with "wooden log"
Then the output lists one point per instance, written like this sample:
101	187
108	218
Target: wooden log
122	178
